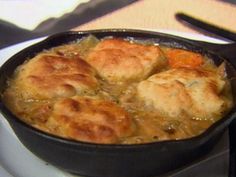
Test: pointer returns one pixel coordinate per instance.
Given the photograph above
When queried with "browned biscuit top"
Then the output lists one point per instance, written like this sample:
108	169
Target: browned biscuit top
90	120
120	60
176	92
49	76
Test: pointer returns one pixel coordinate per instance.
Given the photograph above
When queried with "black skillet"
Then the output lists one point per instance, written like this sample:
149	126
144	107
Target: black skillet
144	160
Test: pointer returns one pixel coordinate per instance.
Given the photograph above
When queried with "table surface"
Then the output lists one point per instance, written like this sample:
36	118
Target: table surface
160	15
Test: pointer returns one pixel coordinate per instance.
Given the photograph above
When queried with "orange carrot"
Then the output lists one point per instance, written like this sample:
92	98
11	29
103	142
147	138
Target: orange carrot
182	58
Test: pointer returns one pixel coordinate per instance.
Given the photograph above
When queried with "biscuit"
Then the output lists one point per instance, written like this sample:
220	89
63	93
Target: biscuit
181	91
90	120
118	60
51	76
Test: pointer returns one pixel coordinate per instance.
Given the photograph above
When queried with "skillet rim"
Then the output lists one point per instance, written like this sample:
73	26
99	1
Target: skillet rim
203	137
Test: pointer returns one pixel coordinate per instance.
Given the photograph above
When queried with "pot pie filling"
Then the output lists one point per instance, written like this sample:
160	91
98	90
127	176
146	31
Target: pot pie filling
119	91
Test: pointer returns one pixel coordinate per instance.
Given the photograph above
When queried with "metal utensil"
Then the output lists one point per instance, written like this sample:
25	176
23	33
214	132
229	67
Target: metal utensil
206	27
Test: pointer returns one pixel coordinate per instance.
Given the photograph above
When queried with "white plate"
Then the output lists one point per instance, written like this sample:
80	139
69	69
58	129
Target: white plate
15	159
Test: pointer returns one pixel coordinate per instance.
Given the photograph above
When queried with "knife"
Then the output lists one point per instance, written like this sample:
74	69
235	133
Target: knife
205	27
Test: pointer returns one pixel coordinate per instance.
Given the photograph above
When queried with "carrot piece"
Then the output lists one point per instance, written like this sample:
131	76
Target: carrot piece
182	58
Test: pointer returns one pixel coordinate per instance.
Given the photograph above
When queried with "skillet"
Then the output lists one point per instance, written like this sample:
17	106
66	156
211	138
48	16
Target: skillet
101	160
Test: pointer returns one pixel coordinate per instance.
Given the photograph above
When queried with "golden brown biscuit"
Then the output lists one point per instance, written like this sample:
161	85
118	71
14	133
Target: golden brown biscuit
50	76
90	120
120	60
181	91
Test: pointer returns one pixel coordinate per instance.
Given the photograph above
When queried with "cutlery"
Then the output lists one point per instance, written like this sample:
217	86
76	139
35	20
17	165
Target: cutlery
206	27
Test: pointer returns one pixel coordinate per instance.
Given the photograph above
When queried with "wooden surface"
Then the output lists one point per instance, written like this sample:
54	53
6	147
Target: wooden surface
160	15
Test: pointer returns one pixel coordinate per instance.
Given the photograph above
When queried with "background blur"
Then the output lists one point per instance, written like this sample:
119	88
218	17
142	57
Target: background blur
22	20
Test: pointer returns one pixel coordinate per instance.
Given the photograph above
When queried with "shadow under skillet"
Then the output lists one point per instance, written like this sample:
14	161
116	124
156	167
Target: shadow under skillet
11	34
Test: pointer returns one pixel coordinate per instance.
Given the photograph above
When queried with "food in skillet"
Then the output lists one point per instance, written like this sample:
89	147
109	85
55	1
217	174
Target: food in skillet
119	60
119	91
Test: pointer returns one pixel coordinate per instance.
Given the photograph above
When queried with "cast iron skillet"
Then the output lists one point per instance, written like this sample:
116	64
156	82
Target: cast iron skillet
144	160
